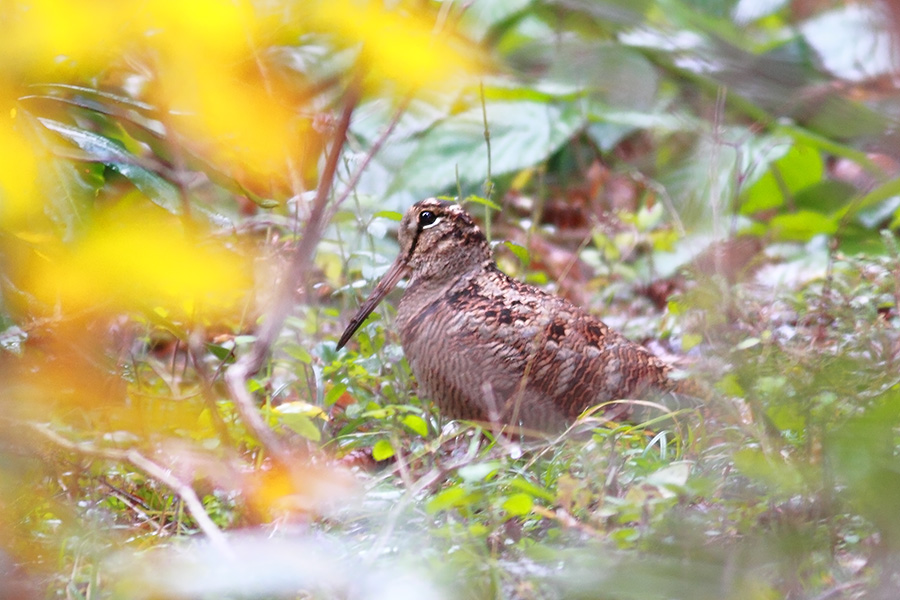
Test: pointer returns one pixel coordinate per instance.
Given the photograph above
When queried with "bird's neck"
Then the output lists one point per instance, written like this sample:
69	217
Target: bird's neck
428	286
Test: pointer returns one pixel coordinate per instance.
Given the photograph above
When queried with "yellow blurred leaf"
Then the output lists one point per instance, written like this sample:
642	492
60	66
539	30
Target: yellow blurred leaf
138	259
218	95
417	424
18	174
301	425
300	489
382	450
401	45
243	122
518	504
300	407
40	36
219	27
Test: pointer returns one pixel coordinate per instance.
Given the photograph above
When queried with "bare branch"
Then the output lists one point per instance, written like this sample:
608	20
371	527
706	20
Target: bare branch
354	179
152	470
237	374
185	492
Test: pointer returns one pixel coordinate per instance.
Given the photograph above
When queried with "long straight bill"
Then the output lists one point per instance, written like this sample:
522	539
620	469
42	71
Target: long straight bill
397	272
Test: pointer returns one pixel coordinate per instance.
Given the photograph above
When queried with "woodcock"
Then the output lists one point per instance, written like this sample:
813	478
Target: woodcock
486	347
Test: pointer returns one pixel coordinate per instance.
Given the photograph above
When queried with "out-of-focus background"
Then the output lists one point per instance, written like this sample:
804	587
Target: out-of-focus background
714	178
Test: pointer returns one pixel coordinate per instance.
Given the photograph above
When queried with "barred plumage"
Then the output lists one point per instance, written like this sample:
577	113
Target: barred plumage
486	347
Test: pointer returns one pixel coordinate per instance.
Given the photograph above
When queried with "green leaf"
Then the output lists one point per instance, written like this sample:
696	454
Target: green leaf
70	191
417	424
334	393
881	193
365	341
522	134
117	98
518	504
221	352
799	168
157	189
298	352
690	340
301	425
857	239
476	472
787	416
614	75
747	343
608	135
382	450
730	386
670	479
825	196
480	17
354	411
380	412
648	217
391	215
626	535
449	498
223	179
482	201
533	490
773	470
520	251
802	225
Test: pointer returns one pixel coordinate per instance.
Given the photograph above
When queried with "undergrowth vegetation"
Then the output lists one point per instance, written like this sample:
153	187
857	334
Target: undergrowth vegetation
194	198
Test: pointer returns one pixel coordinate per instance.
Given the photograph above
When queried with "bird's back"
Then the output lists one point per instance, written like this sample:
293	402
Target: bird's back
491	348
486	347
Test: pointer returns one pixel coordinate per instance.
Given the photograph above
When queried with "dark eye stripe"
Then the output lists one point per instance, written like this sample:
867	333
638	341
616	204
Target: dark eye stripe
426	219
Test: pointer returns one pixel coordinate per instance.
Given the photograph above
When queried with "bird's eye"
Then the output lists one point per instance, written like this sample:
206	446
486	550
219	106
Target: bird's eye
426	218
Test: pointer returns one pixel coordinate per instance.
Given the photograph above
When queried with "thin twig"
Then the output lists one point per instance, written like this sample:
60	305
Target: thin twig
661	192
136	505
151	469
715	161
840	589
489	182
184	491
237	374
206	380
354	179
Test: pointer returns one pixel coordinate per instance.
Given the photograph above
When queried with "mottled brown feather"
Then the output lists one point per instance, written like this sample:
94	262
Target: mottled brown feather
486	347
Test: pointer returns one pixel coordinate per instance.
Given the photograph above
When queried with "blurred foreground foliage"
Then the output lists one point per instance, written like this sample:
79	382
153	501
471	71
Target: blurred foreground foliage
715	178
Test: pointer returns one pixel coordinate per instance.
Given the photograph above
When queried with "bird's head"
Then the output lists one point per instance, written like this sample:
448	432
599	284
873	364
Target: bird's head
439	242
